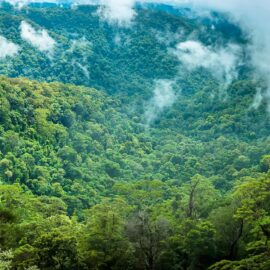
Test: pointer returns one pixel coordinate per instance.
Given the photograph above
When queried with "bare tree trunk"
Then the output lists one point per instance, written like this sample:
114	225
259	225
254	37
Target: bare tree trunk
191	200
232	253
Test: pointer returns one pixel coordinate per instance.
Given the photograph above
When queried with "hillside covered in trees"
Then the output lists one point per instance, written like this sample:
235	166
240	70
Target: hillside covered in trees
119	151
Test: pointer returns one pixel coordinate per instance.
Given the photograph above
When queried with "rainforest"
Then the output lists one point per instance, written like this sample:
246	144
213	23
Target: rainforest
134	135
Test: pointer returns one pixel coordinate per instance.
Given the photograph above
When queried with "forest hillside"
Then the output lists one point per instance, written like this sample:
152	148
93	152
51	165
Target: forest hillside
131	145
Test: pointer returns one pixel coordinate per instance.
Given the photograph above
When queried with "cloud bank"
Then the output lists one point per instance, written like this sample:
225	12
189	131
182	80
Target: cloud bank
252	16
221	62
7	48
40	39
163	97
254	19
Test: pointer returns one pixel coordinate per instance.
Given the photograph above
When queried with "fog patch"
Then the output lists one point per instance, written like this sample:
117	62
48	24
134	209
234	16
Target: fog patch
222	63
257	99
169	38
7	48
40	39
82	49
253	17
164	97
120	12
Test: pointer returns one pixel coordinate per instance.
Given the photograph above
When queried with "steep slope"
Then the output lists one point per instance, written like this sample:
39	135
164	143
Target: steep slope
69	141
128	62
94	53
116	153
66	148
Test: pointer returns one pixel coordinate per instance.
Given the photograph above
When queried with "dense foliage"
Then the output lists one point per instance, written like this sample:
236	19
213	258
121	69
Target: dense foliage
156	199
85	183
94	53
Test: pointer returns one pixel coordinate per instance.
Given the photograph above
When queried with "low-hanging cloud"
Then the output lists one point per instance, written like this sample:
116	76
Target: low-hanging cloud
120	12
40	39
252	16
257	99
7	48
221	62
254	19
163	97
82	48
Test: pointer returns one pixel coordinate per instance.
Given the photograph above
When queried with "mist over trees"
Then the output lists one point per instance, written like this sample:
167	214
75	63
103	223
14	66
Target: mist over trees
138	146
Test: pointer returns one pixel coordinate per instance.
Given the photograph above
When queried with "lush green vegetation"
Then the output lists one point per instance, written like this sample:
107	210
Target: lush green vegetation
85	187
85	184
124	60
